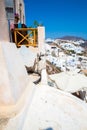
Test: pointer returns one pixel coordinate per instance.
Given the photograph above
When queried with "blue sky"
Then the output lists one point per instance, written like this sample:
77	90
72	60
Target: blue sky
60	17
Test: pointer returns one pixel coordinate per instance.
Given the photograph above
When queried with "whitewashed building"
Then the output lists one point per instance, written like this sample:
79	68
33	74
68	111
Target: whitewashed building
15	6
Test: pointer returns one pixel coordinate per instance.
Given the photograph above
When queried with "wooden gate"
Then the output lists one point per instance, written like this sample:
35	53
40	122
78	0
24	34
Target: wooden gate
25	36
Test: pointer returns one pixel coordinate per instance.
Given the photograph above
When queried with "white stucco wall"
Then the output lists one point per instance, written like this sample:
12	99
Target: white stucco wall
4	35
22	9
41	39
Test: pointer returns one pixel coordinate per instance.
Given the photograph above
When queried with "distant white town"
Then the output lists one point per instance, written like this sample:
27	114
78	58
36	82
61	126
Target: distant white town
66	54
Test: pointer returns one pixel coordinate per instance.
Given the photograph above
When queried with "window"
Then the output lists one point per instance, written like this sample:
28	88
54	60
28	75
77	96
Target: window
9	3
9	12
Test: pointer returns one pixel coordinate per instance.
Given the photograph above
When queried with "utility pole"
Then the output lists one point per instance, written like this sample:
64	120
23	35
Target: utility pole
20	5
23	19
14	6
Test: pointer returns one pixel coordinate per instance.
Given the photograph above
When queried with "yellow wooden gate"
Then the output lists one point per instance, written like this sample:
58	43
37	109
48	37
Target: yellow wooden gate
25	36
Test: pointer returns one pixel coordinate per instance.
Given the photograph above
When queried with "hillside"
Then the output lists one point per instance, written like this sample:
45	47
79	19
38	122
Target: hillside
73	38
